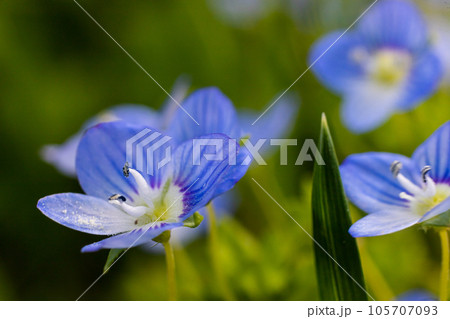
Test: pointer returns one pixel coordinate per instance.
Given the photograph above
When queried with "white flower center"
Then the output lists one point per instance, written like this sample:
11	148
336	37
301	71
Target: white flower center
385	66
421	199
151	205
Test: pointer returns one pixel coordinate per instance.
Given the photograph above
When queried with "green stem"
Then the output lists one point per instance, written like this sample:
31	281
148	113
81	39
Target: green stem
443	234
170	262
374	277
214	252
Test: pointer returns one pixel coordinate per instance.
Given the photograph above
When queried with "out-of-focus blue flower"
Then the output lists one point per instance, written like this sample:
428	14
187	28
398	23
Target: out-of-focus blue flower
314	15
138	208
385	65
416	295
242	13
440	38
396	191
63	156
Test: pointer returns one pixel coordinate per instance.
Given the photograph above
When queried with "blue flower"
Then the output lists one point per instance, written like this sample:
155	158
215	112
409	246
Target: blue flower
386	65
416	295
214	113
241	13
63	156
137	208
440	36
396	191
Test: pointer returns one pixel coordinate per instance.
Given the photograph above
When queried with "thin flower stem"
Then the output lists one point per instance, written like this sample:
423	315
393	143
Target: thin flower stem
374	277
443	234
170	262
214	252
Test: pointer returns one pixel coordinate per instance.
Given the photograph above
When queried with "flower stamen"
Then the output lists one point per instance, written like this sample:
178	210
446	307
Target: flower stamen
421	199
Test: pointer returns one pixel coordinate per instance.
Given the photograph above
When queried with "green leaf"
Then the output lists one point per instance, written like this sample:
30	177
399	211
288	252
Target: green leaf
112	257
441	220
331	221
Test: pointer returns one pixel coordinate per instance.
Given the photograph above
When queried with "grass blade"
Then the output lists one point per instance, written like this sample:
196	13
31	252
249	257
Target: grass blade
331	221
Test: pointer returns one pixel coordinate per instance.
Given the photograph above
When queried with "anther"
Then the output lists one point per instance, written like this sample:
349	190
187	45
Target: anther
396	166
424	173
126	170
117	197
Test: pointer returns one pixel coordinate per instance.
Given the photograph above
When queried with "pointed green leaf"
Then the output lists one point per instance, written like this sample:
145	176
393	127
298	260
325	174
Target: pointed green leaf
331	221
112	257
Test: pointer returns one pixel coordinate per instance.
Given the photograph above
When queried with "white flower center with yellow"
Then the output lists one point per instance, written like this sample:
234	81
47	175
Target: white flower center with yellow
385	66
151	205
421	199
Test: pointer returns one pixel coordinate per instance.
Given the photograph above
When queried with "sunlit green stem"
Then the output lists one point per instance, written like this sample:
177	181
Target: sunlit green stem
374	277
214	252
443	234
170	262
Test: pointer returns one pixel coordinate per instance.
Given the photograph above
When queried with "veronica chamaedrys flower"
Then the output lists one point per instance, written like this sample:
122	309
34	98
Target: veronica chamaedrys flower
242	13
386	65
63	156
416	295
137	208
396	191
440	37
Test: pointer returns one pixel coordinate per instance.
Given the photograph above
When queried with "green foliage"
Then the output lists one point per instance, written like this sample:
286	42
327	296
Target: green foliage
338	266
112	257
59	68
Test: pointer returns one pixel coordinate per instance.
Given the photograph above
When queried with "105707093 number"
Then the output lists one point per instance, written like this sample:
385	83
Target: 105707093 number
403	310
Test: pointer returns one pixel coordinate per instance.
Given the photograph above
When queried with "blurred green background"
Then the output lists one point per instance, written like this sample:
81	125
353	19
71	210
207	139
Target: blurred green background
58	69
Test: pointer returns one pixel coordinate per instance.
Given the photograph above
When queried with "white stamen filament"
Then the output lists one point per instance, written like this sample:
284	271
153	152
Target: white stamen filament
408	197
421	199
135	211
408	185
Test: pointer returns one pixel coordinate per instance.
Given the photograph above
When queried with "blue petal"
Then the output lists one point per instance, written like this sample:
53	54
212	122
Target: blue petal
85	213
367	105
441	208
335	66
63	156
234	172
171	104
133	238
276	123
423	80
200	178
369	184
416	295
213	112
435	151
102	155
382	223
394	24
136	114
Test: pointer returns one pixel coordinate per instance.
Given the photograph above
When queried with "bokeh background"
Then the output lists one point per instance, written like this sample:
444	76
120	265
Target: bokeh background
58	69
